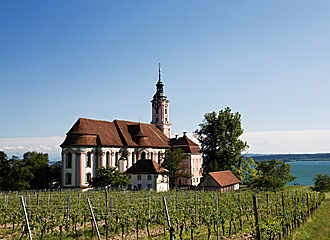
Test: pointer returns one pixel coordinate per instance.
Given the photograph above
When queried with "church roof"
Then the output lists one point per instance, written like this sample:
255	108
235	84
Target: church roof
89	132
185	143
146	167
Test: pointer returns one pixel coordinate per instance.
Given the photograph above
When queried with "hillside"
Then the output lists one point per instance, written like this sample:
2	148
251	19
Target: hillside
292	157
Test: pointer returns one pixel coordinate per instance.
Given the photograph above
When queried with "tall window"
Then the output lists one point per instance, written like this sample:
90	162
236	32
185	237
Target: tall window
165	110
156	110
159	156
149	177
143	155
139	177
116	160
89	159
88	177
69	160
68	177
152	156
107	161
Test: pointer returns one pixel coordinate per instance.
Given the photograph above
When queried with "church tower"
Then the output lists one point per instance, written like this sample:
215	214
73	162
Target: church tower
160	113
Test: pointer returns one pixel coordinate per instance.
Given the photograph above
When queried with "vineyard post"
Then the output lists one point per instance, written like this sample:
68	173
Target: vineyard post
149	208
95	224
284	218
255	207
240	212
295	211
26	218
168	219
68	208
106	214
110	206
48	199
195	210
217	217
303	208
307	204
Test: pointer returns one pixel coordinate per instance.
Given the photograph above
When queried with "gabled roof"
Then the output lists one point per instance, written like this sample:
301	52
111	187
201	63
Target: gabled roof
146	167
89	132
224	178
185	143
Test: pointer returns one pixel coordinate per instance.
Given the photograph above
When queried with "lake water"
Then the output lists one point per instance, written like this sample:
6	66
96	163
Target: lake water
306	171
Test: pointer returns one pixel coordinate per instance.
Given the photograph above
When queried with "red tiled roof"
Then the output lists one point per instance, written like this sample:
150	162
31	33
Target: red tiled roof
185	143
88	132
146	167
224	178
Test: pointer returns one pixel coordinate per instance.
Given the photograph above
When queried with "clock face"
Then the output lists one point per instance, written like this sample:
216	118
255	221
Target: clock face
156	104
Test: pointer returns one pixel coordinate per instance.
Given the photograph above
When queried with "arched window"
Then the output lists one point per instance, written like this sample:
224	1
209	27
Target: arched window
143	155
69	160
107	159
68	177
89	159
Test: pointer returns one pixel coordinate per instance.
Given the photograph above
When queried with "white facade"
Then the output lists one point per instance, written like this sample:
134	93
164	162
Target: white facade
79	164
158	182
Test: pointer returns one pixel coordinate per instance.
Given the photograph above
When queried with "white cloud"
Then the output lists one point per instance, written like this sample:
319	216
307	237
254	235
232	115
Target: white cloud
19	146
304	141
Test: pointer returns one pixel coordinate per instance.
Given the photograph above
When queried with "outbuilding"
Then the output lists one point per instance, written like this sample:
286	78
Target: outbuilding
147	174
223	181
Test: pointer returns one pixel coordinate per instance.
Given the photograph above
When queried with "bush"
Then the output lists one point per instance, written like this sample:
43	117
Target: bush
321	183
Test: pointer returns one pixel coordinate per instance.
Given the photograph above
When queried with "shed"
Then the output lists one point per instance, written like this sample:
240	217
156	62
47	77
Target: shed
223	181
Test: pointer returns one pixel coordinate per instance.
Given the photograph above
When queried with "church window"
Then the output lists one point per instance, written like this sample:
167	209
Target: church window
69	160
68	177
107	161
165	110
156	119
143	155
89	159
149	177
166	119
156	110
152	156
139	177
159	156
88	177
116	160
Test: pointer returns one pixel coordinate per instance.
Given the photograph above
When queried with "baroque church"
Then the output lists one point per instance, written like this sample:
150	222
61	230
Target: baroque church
91	144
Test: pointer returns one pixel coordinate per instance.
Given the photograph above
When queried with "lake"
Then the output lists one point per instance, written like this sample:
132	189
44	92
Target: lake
306	171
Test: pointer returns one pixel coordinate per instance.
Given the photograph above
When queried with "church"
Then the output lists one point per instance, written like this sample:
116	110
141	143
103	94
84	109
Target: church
91	144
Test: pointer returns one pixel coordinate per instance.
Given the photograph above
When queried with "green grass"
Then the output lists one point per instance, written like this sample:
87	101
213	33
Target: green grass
318	226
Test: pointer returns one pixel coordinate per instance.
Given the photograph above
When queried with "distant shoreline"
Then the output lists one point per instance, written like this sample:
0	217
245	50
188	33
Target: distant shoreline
290	157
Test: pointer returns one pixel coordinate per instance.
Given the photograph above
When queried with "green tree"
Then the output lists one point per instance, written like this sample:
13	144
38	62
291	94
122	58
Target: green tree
38	166
173	163
219	138
321	183
109	176
246	170
271	175
55	174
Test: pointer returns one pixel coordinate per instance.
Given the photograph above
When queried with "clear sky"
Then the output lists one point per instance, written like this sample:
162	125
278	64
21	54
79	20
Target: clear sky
268	60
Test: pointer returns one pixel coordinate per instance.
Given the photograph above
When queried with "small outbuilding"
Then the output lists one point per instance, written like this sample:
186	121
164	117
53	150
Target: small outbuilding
223	181
147	174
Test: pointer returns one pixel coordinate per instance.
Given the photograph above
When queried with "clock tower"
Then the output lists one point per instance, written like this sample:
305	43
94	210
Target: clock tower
160	113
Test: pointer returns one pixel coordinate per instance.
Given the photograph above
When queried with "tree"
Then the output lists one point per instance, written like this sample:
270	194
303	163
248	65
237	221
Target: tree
109	176
219	138
247	169
271	175
173	163
38	165
321	183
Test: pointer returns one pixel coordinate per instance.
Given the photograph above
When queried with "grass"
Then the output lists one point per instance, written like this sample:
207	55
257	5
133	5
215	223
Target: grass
318	226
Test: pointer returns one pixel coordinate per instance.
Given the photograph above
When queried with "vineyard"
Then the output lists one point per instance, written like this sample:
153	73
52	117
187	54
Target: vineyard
141	214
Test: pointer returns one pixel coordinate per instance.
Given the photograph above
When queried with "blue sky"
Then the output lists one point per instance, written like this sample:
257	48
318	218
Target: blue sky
268	60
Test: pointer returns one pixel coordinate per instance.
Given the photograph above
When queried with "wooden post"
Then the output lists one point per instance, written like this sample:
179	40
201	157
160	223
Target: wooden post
255	207
26	218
